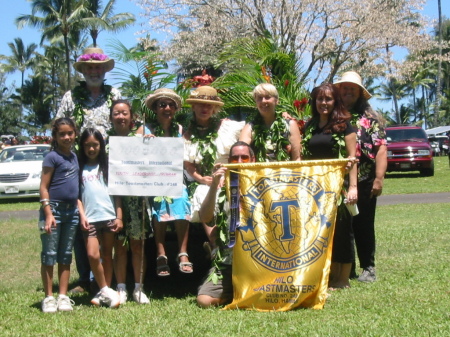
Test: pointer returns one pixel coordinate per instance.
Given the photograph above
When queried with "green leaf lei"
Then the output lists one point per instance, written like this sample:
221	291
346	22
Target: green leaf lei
206	146
158	131
81	95
339	148
276	134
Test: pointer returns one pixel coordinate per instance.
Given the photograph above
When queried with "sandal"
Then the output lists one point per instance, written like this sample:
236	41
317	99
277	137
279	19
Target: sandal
164	269
185	264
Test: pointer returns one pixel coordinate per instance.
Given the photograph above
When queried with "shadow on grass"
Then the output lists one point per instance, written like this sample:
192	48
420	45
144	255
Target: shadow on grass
403	175
178	285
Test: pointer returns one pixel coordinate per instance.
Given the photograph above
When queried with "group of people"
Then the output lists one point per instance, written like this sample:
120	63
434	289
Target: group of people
77	209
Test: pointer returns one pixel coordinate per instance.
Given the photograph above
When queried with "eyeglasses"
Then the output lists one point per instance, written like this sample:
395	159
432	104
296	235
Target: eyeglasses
244	159
164	104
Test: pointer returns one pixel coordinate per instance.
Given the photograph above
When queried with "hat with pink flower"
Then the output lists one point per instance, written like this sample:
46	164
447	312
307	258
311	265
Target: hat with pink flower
93	56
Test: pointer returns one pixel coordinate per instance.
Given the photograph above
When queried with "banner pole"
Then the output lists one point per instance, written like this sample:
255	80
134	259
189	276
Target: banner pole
144	208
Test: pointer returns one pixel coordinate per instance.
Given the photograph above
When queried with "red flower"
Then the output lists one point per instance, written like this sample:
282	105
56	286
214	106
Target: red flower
286	83
297	104
146	74
304	101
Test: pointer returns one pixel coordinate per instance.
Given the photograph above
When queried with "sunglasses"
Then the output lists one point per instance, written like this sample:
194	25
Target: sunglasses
164	104
244	159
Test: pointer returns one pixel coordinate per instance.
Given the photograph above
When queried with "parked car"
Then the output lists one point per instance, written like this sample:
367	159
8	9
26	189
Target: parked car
20	170
408	149
439	144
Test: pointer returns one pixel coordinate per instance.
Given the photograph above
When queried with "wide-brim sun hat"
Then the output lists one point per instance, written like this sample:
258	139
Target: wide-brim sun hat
353	77
206	95
93	56
163	93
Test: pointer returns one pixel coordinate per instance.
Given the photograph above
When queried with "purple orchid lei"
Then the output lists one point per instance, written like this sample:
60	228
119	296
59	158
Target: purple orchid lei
93	56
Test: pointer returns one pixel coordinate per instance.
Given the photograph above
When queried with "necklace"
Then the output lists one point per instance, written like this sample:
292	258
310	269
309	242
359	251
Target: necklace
275	136
81	97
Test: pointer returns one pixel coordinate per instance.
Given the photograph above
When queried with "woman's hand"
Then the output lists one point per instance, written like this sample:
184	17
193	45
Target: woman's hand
50	223
118	225
206	180
84	223
352	195
351	161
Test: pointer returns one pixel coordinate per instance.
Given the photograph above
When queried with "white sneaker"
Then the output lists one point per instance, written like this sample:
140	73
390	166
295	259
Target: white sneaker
96	299
49	305
140	297
110	298
65	303
123	296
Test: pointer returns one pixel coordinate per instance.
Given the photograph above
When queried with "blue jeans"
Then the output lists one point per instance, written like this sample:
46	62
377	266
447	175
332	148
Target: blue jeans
57	246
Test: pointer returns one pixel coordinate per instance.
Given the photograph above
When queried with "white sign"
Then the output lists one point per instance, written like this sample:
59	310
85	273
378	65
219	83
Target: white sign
146	166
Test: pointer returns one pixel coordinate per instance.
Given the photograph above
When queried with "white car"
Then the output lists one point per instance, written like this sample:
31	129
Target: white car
20	170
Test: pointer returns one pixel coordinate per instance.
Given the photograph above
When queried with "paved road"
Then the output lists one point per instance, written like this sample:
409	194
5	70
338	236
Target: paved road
394	199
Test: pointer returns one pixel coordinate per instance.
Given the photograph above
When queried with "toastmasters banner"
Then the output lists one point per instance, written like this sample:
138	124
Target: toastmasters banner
145	166
282	254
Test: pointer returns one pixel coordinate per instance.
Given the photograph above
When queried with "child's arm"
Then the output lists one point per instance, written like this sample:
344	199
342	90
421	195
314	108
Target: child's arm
192	170
84	222
46	178
118	222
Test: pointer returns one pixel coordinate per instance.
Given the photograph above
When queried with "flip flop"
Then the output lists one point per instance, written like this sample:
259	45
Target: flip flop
164	269
185	264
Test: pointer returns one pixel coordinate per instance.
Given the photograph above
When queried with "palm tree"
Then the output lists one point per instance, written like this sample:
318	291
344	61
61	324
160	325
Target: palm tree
140	70
59	18
106	20
396	91
21	59
248	62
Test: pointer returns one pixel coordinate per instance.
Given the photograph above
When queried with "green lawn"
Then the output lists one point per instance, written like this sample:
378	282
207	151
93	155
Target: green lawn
412	182
410	298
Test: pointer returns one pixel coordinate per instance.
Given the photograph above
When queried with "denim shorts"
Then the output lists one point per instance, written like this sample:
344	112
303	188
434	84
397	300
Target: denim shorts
57	246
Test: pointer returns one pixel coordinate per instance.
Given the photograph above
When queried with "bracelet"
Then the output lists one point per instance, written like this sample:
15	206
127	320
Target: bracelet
44	200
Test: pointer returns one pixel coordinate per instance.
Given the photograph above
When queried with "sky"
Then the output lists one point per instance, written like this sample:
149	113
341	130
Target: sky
11	9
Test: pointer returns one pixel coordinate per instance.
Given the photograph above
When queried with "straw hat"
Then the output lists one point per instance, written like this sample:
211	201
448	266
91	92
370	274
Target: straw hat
353	77
163	93
205	94
94	56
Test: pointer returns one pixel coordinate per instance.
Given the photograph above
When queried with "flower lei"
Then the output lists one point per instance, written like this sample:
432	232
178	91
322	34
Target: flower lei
339	148
275	133
80	96
206	146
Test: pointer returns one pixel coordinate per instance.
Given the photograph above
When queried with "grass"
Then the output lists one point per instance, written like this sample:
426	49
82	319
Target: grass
412	182
409	299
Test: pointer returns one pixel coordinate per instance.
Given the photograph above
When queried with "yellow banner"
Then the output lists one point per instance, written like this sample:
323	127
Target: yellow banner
282	255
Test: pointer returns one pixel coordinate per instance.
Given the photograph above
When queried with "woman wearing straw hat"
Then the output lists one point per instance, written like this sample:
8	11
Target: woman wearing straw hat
272	137
208	141
165	103
372	156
